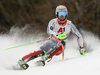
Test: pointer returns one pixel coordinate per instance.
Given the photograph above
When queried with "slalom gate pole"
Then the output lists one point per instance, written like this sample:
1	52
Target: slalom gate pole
61	45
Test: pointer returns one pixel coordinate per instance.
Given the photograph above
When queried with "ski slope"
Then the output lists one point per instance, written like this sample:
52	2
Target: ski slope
73	63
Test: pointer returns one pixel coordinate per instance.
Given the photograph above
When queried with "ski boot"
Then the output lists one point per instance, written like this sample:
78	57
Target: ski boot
21	65
41	62
82	51
44	58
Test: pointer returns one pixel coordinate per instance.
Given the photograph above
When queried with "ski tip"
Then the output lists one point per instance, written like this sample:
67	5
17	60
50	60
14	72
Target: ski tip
16	67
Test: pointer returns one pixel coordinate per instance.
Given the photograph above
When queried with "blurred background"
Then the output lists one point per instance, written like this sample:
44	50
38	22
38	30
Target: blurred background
35	14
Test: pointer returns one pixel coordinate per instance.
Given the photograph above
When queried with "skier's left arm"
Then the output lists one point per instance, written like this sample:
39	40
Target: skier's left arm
80	38
77	33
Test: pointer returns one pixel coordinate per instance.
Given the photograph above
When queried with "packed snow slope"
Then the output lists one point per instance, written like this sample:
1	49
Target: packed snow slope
73	63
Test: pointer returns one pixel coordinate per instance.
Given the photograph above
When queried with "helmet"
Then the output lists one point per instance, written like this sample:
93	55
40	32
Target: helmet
61	8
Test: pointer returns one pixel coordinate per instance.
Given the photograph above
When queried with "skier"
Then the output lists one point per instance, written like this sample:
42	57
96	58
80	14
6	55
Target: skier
59	27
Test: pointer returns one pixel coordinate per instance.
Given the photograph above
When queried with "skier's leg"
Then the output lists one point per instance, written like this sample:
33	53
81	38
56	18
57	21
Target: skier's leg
33	55
55	52
52	51
56	49
23	62
47	47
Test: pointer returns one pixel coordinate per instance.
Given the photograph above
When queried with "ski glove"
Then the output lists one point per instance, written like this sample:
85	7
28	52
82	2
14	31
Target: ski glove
61	36
82	51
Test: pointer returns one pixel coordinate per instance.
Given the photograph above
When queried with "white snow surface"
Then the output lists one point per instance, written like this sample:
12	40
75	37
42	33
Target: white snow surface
73	63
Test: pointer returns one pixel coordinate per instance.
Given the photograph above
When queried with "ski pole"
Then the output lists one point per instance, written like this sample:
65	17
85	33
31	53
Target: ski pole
26	44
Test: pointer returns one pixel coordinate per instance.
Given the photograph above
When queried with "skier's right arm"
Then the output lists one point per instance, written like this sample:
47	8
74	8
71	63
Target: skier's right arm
50	28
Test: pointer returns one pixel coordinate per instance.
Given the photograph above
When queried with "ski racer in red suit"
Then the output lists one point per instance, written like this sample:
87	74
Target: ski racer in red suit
56	27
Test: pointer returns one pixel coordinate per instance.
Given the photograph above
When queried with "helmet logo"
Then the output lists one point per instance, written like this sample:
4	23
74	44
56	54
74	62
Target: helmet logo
61	10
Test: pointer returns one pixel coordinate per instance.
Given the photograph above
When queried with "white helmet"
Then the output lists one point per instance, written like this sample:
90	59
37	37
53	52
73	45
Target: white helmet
61	8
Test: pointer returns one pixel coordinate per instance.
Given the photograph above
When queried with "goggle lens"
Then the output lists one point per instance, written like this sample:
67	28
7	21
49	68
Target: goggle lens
62	13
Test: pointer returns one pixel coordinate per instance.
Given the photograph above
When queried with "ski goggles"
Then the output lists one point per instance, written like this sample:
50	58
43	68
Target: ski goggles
62	13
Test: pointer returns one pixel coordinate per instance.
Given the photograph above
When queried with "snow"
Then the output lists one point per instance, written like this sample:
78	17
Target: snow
73	63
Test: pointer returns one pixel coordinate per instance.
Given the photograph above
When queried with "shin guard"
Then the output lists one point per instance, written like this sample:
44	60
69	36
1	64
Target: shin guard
33	55
54	52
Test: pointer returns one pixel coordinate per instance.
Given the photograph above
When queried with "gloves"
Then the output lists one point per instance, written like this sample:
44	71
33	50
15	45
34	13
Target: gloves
82	51
61	36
